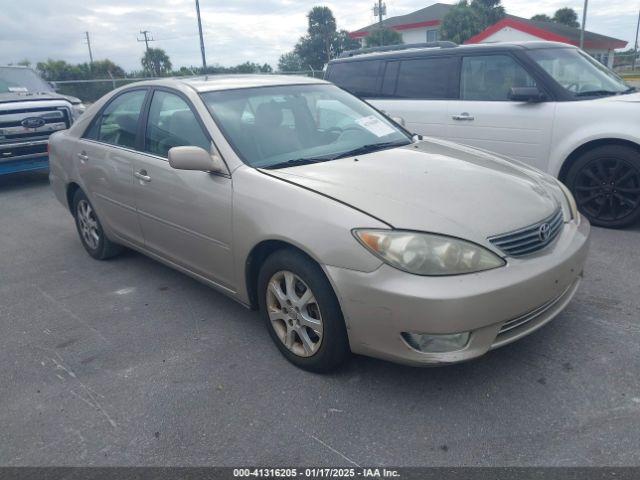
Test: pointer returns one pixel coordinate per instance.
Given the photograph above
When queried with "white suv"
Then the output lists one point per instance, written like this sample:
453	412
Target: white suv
546	104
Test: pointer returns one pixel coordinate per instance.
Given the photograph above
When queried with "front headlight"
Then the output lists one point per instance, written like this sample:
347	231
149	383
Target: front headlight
77	110
571	202
426	253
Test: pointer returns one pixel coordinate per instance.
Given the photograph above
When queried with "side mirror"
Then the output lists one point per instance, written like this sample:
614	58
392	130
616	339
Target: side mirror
399	120
195	158
526	94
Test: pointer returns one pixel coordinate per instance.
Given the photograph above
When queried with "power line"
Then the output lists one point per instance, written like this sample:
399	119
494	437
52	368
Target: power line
204	58
88	41
147	38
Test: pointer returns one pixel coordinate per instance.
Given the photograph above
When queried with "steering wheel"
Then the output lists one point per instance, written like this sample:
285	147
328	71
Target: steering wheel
343	131
573	87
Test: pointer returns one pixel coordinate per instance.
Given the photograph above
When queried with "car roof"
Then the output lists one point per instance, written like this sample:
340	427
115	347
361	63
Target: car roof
410	51
207	83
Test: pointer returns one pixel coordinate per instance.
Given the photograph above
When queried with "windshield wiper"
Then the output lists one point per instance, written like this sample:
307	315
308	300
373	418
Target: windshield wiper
372	147
600	93
296	162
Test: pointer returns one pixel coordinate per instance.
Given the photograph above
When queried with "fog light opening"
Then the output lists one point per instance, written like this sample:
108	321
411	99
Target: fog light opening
426	343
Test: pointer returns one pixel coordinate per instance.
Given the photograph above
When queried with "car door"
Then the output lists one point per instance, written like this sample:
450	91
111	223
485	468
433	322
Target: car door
105	157
485	117
185	215
418	90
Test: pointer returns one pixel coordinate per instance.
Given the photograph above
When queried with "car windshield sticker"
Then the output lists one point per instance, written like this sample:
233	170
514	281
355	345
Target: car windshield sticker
375	126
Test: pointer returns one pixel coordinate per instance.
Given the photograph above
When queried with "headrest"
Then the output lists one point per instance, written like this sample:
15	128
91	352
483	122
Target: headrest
269	115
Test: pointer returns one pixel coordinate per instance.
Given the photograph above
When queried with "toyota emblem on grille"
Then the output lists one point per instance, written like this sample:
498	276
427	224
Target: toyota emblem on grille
32	122
544	231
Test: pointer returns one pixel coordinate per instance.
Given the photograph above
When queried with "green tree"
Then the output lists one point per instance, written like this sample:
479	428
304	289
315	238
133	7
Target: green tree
383	36
541	17
460	23
323	41
106	69
488	12
156	62
467	19
311	50
52	70
566	16
343	42
290	62
322	24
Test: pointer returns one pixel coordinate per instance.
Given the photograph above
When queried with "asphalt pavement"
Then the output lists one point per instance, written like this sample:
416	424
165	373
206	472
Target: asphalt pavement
128	362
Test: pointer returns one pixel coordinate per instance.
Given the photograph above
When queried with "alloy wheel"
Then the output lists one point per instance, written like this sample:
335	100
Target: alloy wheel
607	189
88	223
294	313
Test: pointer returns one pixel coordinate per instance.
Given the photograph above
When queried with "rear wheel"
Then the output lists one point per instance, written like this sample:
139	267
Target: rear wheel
301	312
605	182
90	229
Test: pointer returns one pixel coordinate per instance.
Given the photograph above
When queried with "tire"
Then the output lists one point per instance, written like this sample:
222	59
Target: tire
330	347
101	248
605	182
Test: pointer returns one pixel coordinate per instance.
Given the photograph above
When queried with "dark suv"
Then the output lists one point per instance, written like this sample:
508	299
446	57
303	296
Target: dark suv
549	105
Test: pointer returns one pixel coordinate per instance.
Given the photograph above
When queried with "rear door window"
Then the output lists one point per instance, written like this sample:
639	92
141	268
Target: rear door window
428	78
491	77
358	77
118	122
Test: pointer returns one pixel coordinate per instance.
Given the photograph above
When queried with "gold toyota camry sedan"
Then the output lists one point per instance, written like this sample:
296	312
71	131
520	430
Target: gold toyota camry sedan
345	231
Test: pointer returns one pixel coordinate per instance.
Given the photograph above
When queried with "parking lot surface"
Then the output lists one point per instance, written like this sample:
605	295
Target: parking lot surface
128	362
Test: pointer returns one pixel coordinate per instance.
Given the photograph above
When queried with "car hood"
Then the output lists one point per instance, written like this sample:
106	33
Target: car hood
434	186
11	97
626	98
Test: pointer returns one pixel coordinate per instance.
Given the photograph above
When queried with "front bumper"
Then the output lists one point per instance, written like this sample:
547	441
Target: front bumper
37	162
497	306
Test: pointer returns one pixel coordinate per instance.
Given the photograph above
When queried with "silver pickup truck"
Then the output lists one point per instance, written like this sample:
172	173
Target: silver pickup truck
30	111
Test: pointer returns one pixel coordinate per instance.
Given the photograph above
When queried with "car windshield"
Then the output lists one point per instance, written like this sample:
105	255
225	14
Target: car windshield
21	80
578	73
274	127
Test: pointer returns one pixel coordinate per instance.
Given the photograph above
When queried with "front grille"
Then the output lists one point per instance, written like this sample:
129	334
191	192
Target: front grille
13	132
530	239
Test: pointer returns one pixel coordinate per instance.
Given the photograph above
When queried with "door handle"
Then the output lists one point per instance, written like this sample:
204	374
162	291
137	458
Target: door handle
463	117
83	157
142	175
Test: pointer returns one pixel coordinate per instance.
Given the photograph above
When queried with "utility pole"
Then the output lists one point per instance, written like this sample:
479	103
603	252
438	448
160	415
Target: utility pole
204	58
90	52
147	38
584	21
379	10
635	45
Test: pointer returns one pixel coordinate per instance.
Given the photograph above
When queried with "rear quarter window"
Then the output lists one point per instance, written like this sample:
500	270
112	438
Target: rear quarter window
427	78
360	77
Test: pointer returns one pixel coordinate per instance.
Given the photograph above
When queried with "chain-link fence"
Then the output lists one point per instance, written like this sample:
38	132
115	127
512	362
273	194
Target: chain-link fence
91	90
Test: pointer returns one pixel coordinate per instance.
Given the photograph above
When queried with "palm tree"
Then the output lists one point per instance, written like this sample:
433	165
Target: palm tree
322	24
156	62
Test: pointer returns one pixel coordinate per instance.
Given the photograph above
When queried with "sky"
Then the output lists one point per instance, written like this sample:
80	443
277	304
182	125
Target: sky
235	31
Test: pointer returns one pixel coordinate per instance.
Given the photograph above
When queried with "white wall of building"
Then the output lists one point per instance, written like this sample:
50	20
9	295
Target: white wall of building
420	35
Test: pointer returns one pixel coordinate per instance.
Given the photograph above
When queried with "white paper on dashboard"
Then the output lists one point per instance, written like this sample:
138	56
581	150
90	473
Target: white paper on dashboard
375	126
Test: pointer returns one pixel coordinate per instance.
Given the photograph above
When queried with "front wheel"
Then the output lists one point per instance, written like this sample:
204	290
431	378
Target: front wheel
605	182
301	312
